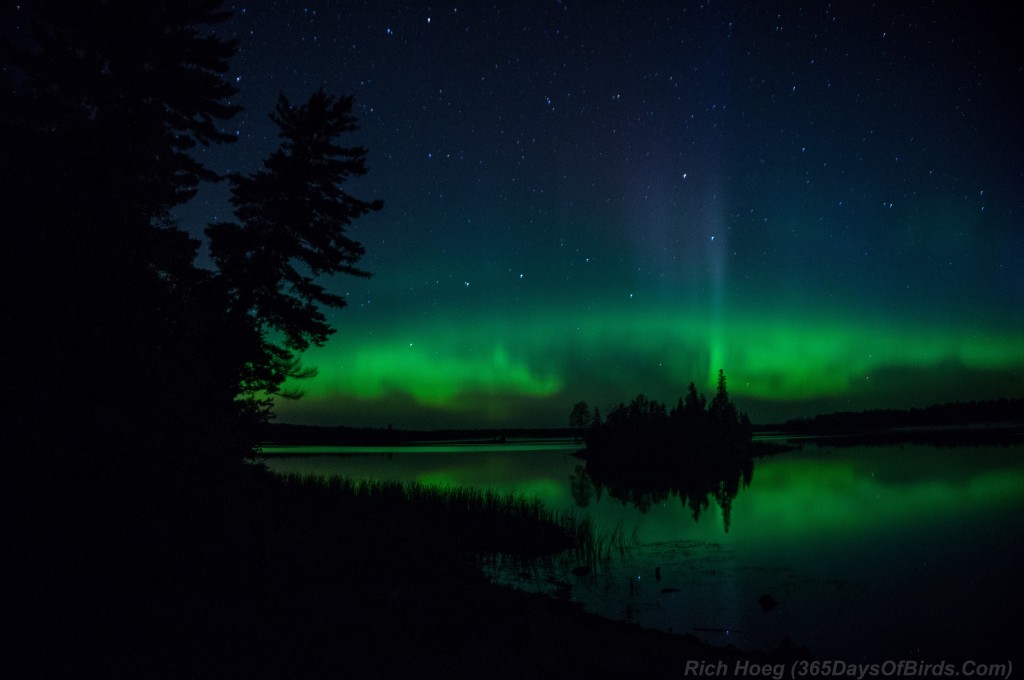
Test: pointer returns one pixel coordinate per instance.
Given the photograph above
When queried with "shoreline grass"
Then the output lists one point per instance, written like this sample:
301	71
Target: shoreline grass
460	518
258	575
476	524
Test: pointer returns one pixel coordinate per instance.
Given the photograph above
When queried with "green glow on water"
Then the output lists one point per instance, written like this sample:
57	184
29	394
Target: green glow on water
847	495
809	499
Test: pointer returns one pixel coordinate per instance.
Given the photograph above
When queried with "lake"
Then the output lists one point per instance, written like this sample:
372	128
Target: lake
866	553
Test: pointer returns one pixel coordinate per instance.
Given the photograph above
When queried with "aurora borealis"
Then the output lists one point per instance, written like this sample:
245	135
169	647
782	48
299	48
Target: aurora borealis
585	201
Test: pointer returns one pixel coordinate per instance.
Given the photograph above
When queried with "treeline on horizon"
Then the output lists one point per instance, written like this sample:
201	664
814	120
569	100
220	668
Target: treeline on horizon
288	433
953	414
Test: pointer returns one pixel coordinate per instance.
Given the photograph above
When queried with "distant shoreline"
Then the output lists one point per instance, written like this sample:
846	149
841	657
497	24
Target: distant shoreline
940	435
931	435
285	433
991	418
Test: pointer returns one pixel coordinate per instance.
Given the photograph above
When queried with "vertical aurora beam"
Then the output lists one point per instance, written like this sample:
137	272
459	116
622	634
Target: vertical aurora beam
717	237
716	248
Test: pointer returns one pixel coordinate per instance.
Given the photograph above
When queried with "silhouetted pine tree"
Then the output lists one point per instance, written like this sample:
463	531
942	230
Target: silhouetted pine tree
694	418
131	352
642	453
124	486
692	430
293	217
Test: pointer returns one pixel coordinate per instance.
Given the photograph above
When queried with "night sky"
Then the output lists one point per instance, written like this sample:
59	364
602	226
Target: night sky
585	201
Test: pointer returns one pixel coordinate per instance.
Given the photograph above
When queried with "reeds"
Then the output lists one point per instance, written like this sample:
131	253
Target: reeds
456	517
594	547
412	517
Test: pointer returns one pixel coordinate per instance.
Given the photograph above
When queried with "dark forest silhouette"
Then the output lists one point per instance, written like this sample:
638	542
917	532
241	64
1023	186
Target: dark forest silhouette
139	541
128	345
642	453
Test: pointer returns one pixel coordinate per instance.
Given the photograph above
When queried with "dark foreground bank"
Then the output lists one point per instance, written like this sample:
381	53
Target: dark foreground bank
247	575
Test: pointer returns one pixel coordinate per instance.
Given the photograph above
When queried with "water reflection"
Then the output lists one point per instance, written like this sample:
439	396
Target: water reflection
695	481
875	552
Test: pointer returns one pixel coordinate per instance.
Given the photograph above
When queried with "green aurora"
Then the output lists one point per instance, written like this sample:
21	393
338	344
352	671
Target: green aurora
586	203
528	371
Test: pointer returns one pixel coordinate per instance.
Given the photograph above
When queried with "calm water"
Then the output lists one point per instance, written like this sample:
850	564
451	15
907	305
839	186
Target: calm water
872	553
